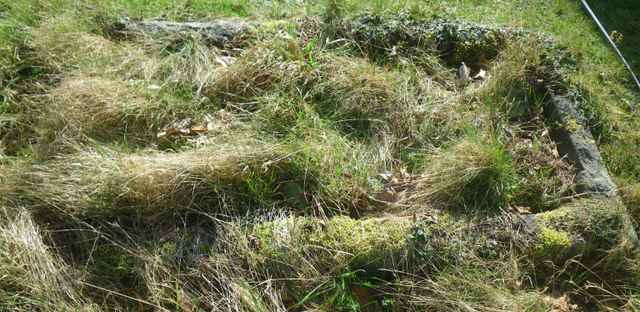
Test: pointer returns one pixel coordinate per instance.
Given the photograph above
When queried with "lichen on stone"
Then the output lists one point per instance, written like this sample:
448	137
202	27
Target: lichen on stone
453	41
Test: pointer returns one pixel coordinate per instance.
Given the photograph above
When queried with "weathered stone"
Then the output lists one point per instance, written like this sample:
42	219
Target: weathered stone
597	233
455	42
217	32
575	141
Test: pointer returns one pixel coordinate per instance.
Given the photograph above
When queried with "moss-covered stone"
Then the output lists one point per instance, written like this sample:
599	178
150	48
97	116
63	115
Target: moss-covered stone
347	251
593	233
572	125
551	242
366	237
338	242
455	42
601	224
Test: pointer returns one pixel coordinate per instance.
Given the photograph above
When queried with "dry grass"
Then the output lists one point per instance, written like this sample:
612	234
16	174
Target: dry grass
65	42
229	175
364	98
32	276
85	107
109	180
630	193
510	91
331	179
475	174
261	68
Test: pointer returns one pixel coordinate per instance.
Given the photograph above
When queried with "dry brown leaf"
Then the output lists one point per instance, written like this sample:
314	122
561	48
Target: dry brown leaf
199	130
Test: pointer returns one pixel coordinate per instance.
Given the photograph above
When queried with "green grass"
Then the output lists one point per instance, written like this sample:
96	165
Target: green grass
616	16
343	168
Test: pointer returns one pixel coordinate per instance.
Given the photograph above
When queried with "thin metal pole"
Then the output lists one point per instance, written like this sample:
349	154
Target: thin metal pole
613	44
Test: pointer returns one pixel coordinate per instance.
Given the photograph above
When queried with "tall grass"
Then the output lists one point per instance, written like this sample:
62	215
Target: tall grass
337	172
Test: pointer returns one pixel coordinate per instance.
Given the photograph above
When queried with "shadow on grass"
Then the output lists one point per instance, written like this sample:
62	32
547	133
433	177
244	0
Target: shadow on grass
622	16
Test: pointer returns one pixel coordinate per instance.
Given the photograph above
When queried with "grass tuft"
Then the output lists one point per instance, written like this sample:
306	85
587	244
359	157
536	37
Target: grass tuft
474	175
33	277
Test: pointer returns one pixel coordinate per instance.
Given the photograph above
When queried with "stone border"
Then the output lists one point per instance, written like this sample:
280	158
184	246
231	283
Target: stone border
453	41
217	32
574	140
572	136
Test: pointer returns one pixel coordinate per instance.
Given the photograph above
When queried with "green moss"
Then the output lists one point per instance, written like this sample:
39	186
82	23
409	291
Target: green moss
366	238
551	242
340	241
271	28
572	125
601	223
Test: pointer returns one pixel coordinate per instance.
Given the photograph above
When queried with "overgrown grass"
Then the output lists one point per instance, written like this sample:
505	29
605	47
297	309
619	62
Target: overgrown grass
475	174
338	165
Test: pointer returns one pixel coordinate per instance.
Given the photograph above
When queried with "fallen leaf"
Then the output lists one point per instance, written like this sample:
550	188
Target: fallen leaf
199	129
522	210
168	132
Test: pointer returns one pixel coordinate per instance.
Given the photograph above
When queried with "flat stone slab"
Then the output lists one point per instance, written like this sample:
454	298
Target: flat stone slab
575	142
217	32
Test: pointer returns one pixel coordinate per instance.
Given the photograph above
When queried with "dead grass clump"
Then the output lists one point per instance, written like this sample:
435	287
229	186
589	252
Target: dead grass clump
346	186
404	107
277	64
186	65
443	120
280	115
84	107
211	283
482	174
214	284
363	98
630	194
184	68
64	42
32	277
512	89
221	179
